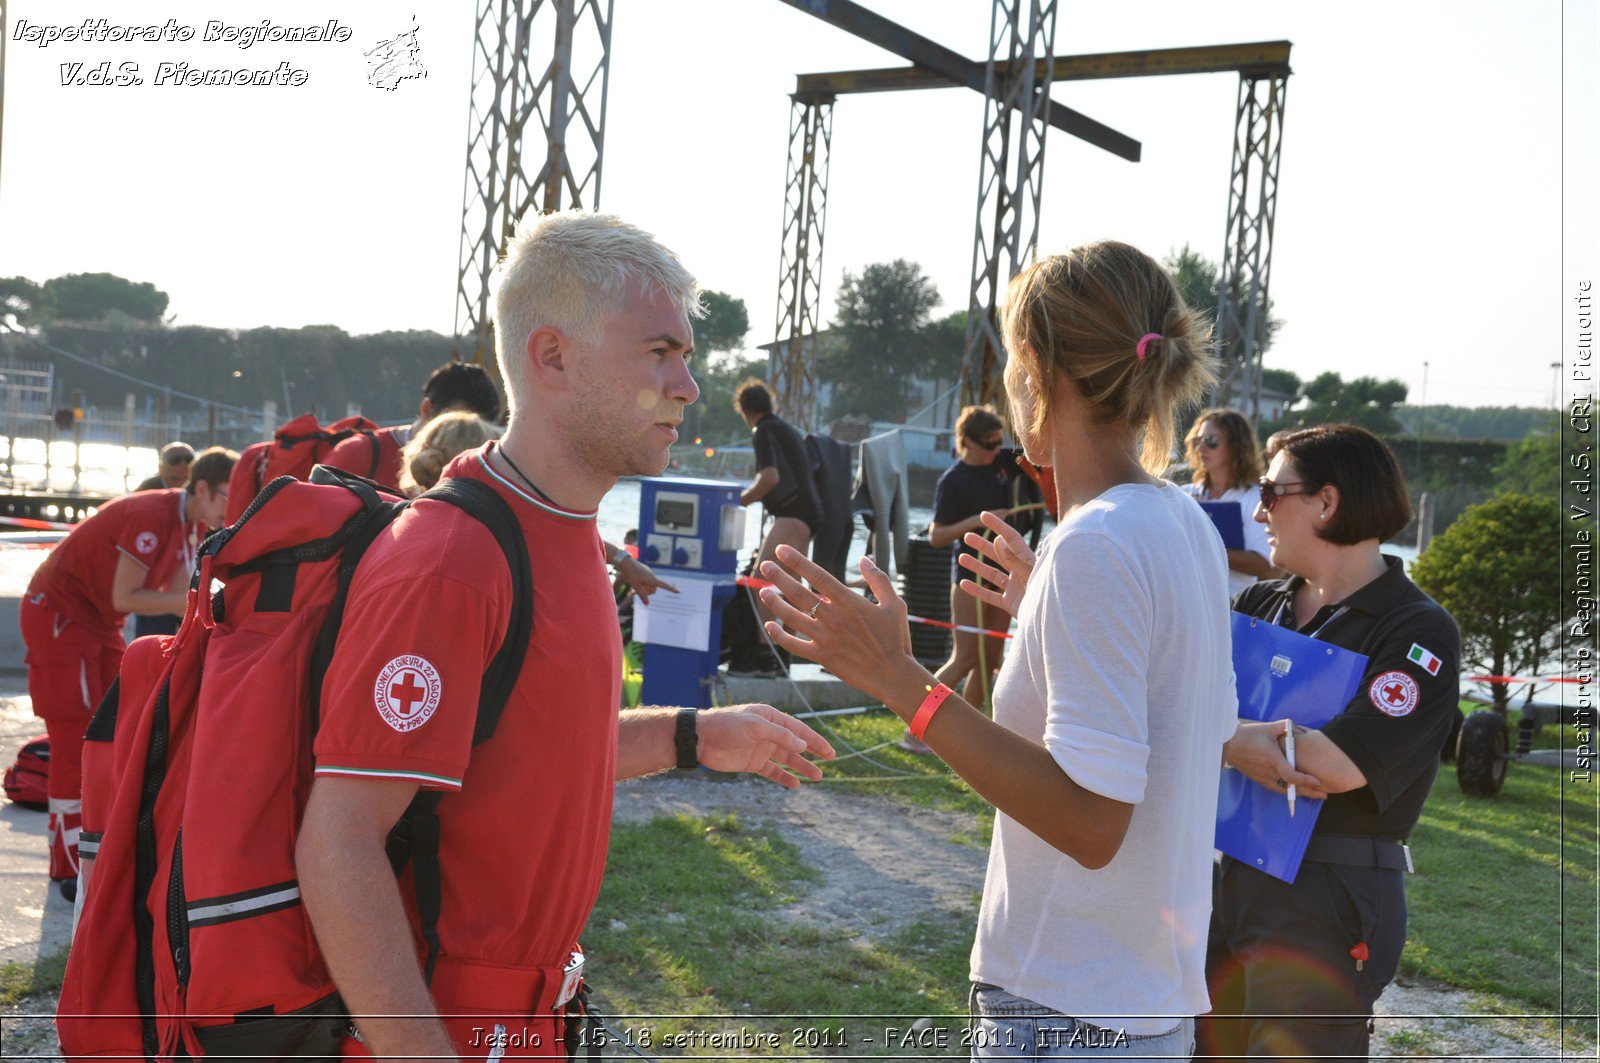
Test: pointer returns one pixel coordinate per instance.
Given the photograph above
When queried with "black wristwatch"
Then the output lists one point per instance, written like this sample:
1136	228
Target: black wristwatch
687	740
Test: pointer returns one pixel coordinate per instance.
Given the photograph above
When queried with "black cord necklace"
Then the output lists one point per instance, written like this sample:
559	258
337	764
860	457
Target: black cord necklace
524	477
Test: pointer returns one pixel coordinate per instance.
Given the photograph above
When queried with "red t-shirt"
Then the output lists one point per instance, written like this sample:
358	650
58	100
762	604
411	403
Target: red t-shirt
527	815
355	455
148	527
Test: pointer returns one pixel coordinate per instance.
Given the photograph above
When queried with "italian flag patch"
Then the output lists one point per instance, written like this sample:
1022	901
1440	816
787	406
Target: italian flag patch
1425	658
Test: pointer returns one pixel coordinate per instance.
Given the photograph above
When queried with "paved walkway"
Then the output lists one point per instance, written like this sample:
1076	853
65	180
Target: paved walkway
34	919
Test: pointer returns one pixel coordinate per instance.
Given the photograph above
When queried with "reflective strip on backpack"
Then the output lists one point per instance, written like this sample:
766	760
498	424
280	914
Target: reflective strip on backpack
226	909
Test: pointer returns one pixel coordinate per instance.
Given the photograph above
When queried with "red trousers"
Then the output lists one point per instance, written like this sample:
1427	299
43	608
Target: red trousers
69	670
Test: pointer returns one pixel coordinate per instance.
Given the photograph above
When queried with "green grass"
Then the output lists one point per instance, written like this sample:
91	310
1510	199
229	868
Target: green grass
705	948
19	980
705	936
935	786
1487	912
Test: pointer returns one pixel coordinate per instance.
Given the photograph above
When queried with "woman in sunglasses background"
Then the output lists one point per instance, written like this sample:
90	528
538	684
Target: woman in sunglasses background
1222	451
1327	945
978	481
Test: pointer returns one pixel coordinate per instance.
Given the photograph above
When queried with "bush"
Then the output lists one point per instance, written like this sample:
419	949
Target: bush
1497	570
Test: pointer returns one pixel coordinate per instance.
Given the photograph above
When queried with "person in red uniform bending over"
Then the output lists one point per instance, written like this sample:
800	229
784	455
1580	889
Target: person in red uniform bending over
132	556
593	339
452	386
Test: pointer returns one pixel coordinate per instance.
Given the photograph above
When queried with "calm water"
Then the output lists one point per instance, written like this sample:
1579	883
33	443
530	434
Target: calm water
105	465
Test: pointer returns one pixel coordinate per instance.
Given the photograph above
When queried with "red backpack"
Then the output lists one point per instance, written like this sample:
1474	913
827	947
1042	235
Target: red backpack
192	939
293	450
26	781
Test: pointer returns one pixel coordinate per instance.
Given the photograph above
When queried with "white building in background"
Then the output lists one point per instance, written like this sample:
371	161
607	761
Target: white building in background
931	410
1273	402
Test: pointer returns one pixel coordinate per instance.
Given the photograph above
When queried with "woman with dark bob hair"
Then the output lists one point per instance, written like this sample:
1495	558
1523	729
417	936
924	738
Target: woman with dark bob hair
1303	963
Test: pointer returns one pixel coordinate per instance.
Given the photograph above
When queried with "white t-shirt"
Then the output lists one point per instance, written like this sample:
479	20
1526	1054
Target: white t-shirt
1122	668
1255	535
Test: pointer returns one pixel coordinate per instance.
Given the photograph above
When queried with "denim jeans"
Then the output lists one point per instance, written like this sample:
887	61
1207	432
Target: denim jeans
1010	1027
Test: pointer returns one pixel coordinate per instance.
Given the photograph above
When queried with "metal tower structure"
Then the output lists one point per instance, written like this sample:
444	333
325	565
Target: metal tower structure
538	67
1014	80
1247	256
805	201
1017	80
1263	69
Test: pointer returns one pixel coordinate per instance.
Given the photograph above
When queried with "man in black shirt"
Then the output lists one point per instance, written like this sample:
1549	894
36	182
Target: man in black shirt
173	470
784	484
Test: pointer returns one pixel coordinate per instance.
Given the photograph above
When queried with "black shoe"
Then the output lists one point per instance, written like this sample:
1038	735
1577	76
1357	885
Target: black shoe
68	888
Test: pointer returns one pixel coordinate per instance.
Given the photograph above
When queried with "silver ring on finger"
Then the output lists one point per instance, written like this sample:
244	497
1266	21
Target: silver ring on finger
813	613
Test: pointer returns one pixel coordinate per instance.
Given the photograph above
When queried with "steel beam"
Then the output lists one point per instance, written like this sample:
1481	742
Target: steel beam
1010	176
956	68
1247	256
1260	59
520	99
793	367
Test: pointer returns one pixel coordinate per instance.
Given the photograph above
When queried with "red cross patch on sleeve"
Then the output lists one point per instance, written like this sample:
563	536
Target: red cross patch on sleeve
1394	694
407	692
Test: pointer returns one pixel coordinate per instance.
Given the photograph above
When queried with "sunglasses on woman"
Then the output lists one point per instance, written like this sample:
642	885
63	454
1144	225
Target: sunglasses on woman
988	444
1271	492
1209	441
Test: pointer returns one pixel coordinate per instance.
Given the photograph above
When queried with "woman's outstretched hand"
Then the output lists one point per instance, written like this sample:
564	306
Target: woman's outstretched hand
865	644
1007	563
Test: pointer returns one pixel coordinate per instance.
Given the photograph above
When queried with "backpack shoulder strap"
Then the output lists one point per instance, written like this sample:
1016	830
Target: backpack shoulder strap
416	837
485	505
377	449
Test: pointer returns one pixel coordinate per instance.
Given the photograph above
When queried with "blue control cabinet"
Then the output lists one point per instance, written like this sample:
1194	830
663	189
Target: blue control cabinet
690	532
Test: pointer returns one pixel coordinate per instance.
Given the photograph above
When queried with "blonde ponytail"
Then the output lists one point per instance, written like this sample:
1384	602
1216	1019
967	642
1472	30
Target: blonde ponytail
1087	315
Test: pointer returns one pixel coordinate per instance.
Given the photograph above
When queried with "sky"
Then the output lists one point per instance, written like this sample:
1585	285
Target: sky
1422	215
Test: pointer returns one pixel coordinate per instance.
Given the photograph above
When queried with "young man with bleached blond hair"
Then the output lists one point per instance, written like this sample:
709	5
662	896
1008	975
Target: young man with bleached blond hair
593	338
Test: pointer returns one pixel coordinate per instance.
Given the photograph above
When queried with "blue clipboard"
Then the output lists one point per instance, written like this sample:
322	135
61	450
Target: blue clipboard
1229	519
1279	673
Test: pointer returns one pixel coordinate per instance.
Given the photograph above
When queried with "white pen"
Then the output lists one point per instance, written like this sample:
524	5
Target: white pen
1288	752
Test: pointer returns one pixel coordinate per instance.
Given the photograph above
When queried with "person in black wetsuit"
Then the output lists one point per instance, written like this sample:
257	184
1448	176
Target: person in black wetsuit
784	484
1294	969
980	480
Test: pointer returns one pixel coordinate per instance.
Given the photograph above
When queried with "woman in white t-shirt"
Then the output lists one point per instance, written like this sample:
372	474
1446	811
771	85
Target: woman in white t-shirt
1222	451
1114	702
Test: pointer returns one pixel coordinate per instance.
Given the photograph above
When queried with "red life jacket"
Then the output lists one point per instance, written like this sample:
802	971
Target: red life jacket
26	780
293	450
192	939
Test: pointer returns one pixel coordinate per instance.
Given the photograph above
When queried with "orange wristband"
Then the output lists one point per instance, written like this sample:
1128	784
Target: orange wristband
930	705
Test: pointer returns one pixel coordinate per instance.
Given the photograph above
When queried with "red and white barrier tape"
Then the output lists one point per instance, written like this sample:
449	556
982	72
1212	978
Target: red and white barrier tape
757	584
33	524
1522	679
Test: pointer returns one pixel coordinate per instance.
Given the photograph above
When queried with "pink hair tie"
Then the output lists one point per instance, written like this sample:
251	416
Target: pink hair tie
1144	342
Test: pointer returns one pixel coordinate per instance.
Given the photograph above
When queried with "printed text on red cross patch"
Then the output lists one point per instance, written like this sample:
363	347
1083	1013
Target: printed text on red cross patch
407	692
1394	694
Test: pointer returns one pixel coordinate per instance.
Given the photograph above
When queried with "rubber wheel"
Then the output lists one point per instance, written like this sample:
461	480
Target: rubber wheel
1481	754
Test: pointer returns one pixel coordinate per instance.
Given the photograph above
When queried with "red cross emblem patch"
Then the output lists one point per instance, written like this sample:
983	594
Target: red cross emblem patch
1394	694
144	542
407	692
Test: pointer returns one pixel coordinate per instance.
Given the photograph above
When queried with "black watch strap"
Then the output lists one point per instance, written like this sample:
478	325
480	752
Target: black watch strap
687	740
